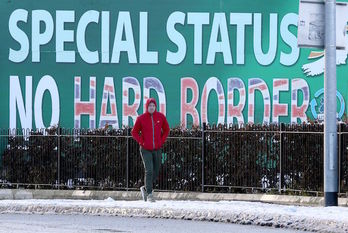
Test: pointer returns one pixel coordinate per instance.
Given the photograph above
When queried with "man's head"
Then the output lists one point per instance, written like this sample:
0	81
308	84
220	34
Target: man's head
151	105
152	108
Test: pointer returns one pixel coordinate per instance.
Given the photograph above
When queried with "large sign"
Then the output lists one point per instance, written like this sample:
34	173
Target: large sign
91	63
311	24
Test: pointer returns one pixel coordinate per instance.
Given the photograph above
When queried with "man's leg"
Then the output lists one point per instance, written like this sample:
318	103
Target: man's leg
157	157
148	166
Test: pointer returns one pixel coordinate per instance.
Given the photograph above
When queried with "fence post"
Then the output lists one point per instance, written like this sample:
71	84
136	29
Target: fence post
339	155
203	154
280	158
127	159
58	154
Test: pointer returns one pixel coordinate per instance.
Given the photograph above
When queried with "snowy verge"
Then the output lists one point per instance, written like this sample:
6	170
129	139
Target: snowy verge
317	219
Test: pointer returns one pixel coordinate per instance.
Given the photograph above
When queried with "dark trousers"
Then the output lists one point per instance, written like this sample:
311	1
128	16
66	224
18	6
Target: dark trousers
152	162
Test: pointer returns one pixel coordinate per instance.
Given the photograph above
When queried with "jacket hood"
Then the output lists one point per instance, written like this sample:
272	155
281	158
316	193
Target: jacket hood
149	101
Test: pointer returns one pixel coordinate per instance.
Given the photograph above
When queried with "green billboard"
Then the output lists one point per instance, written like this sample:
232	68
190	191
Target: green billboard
91	63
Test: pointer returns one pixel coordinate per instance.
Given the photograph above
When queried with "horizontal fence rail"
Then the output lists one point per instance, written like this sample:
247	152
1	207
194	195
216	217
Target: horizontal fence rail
250	158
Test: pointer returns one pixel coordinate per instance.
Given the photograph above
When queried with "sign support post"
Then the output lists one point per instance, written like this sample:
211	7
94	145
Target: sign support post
330	105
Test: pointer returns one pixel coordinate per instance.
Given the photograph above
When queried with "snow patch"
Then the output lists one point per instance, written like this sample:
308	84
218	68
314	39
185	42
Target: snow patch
330	219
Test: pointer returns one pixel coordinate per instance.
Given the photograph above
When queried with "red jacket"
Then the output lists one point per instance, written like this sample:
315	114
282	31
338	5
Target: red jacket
146	124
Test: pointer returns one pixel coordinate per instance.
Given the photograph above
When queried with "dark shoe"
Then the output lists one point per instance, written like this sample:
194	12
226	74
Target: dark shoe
143	193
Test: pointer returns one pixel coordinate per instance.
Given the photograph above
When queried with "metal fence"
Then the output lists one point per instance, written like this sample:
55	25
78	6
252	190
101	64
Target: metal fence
251	158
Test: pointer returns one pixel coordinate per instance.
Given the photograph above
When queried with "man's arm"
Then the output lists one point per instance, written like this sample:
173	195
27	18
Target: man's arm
136	132
165	130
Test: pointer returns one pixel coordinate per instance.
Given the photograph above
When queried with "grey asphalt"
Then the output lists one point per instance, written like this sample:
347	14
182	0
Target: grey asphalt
19	223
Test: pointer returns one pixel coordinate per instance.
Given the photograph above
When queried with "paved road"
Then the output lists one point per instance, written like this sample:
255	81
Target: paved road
19	223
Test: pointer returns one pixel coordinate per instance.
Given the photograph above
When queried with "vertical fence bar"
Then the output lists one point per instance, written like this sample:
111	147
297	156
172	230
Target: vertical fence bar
280	158
339	155
58	154
203	154
127	159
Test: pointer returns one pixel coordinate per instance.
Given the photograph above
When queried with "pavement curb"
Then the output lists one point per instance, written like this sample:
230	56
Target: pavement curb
20	194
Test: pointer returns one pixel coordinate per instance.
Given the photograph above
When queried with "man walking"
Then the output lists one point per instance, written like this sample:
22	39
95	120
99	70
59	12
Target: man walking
150	130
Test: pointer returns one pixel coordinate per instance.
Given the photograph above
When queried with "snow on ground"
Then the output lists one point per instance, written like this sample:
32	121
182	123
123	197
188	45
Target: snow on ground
319	219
